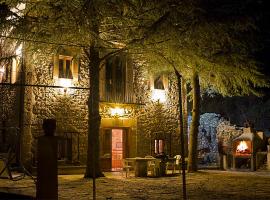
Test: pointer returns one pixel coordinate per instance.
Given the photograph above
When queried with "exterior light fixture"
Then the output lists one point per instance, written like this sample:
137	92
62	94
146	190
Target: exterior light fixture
108	110
65	83
117	112
158	95
2	72
19	50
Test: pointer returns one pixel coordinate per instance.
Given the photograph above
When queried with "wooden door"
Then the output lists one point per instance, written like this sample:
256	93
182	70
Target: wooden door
105	149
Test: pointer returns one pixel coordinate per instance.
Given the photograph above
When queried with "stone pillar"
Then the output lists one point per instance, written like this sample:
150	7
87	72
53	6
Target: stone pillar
47	183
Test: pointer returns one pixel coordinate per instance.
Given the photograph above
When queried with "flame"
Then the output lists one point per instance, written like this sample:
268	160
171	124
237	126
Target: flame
242	147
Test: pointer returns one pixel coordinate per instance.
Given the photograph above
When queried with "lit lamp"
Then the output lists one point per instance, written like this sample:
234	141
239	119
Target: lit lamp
158	95
117	112
2	72
19	50
65	83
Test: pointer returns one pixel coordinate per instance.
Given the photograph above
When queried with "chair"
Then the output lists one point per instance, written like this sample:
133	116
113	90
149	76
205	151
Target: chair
127	165
10	165
153	166
177	162
170	165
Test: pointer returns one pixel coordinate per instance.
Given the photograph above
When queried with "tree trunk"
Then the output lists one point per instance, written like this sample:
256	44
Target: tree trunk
92	166
193	140
185	114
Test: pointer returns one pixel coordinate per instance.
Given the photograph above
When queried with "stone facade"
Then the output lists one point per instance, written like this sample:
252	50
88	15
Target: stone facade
42	99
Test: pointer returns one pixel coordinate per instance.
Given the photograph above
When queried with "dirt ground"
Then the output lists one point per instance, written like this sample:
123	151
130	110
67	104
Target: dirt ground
206	184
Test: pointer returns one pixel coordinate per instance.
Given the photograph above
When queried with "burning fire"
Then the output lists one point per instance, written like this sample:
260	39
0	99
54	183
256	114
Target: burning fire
242	148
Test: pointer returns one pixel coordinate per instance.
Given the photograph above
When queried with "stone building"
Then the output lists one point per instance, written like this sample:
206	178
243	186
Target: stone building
138	109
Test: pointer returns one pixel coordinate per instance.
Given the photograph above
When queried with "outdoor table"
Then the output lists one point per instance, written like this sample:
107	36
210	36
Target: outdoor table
140	165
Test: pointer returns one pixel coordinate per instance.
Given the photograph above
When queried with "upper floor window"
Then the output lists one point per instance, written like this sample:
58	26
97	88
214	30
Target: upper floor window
65	67
9	70
116	80
159	82
158	85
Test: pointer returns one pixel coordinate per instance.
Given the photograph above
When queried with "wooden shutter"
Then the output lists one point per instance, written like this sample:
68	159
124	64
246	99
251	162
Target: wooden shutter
129	97
55	67
152	79
75	69
165	81
102	78
15	65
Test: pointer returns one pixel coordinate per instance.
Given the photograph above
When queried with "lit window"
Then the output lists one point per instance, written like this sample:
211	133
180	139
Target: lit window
159	146
2	74
65	67
8	70
158	83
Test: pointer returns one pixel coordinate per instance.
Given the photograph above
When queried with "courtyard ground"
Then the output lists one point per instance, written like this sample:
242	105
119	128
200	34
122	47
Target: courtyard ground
206	184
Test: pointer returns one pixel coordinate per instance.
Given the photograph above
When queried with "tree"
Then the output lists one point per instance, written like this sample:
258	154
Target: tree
212	42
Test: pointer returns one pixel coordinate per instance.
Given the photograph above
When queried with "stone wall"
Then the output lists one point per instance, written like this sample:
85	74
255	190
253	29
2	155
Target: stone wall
41	102
157	120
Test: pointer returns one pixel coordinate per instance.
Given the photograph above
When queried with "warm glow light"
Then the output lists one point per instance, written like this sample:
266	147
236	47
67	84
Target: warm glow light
19	51
159	95
117	112
2	70
65	82
242	147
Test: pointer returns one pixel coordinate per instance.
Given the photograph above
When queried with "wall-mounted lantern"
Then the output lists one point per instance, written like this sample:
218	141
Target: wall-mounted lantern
2	72
159	95
18	51
117	112
65	83
110	110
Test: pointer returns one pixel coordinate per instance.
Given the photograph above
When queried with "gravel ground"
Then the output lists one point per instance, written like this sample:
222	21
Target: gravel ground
206	184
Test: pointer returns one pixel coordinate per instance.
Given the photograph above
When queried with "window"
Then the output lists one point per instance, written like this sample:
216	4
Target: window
2	74
158	83
8	72
115	78
159	146
65	67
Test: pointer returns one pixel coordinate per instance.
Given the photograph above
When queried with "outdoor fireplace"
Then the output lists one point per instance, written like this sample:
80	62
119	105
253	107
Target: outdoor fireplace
244	150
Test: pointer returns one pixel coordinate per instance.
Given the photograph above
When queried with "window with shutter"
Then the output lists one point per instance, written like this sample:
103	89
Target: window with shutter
159	85
115	79
2	74
65	67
